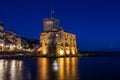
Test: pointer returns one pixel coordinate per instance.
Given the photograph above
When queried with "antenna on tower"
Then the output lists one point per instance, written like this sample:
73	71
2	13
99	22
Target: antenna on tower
52	12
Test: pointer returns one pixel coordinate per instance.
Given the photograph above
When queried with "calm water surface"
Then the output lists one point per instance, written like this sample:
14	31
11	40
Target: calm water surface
92	68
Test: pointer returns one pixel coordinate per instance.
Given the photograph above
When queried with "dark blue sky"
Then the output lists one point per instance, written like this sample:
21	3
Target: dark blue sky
96	23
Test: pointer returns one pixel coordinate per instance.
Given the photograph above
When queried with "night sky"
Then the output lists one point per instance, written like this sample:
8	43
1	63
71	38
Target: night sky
96	23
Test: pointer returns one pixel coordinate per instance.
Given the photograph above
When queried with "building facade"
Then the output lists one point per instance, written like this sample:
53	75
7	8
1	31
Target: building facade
2	42
54	41
9	41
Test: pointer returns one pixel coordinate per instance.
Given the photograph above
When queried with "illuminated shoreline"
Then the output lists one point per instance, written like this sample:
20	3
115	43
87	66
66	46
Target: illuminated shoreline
21	55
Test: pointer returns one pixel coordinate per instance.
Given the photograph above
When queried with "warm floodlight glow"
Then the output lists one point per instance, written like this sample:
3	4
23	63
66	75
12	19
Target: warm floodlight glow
61	52
13	45
2	45
73	52
67	52
44	52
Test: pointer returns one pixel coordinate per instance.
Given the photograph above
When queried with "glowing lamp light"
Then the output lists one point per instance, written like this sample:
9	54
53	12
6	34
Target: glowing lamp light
61	52
67	52
2	45
44	52
73	52
13	45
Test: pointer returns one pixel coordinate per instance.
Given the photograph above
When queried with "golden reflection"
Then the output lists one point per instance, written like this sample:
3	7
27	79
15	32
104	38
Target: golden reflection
61	68
42	69
67	69
57	69
73	68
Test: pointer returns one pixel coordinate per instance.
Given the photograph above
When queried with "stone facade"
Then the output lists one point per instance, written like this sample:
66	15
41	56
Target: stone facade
55	42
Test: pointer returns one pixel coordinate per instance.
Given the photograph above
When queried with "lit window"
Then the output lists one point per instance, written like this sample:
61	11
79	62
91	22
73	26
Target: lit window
57	35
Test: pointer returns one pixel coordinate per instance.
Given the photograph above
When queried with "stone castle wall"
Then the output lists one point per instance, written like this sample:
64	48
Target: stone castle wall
57	43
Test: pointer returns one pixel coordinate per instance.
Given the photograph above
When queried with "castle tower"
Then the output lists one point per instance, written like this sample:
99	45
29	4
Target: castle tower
55	42
51	24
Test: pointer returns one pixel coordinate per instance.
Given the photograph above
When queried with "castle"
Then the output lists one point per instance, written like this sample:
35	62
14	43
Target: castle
54	41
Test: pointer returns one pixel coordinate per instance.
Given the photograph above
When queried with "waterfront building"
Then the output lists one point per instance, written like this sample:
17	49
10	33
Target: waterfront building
1	44
54	41
1	37
9	41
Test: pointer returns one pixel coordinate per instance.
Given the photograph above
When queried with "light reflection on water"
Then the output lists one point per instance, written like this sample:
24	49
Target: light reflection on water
11	69
92	68
39	69
58	69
